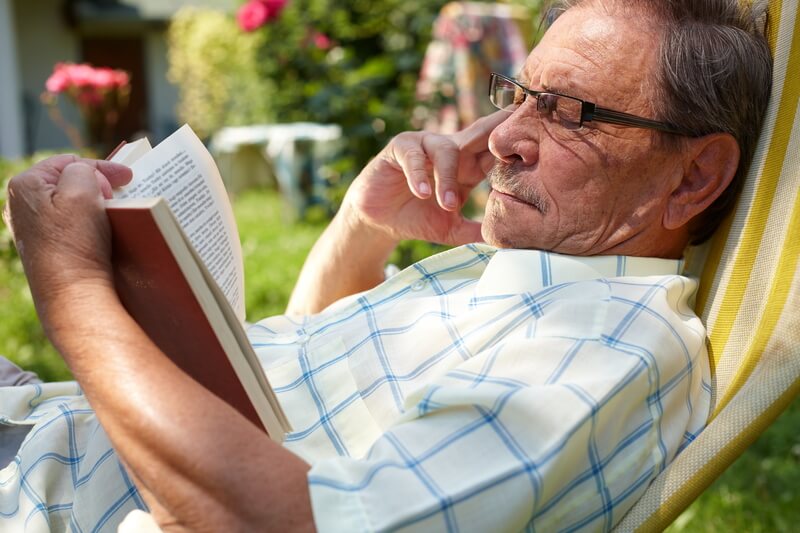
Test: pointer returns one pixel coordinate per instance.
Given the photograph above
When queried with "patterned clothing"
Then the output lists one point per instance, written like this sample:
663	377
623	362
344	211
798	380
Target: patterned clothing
477	390
470	41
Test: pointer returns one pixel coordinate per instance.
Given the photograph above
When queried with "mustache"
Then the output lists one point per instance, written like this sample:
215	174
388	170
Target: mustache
503	177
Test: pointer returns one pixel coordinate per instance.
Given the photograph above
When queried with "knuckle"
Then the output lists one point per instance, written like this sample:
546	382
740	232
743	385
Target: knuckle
407	137
18	185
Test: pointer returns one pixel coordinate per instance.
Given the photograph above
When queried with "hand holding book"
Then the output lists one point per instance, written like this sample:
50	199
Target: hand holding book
178	271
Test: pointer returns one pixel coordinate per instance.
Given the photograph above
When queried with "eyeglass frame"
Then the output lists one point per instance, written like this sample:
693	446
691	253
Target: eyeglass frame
590	112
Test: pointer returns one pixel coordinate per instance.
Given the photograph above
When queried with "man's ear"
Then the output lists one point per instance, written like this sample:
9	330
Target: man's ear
710	163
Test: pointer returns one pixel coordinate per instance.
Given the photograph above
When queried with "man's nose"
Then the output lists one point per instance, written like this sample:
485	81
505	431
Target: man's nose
516	139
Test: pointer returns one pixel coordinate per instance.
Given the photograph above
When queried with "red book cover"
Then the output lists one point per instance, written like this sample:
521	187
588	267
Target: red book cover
156	293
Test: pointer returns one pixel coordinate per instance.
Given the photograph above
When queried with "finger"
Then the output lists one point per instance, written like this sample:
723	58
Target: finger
444	154
50	169
475	138
81	180
407	151
115	174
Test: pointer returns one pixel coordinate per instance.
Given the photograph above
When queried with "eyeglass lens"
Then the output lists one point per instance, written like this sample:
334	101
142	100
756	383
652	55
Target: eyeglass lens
563	110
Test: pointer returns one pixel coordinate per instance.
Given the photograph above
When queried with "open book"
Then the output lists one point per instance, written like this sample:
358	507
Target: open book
179	272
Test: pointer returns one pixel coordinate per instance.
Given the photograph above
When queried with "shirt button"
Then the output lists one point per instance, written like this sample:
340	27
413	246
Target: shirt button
418	285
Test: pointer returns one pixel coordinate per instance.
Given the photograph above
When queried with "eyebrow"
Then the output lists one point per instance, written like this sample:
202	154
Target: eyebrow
522	78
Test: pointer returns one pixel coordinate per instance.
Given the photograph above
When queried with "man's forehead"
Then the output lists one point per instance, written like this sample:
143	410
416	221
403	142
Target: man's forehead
586	46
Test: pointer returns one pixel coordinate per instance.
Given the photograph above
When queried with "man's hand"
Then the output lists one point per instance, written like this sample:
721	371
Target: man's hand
415	188
56	216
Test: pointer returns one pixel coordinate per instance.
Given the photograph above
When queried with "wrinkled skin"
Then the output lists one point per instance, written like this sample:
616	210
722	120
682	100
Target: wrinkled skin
603	189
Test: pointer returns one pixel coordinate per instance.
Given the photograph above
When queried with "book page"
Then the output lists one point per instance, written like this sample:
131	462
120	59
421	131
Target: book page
181	170
130	152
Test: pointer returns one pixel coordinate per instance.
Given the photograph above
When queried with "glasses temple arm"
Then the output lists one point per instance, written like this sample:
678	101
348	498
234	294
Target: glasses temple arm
610	116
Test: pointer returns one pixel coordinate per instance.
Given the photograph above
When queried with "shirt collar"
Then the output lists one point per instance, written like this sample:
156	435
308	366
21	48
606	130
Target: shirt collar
514	271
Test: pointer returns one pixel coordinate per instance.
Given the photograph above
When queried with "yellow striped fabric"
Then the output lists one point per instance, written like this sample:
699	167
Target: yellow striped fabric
757	253
749	297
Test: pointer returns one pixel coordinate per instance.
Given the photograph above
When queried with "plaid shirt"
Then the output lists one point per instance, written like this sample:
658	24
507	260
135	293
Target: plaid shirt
478	390
488	390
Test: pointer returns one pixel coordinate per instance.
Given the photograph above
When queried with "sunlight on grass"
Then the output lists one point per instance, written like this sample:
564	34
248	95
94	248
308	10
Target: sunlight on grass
760	493
274	251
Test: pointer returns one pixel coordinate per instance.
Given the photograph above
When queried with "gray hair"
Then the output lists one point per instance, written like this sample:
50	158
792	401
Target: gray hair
715	76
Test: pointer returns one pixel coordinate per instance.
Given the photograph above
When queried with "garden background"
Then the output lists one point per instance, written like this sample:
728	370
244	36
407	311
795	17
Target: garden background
354	63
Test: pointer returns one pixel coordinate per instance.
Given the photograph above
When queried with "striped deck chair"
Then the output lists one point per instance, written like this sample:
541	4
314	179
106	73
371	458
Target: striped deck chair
749	298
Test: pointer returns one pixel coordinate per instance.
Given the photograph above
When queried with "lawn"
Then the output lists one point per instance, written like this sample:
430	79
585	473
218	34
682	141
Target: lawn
760	493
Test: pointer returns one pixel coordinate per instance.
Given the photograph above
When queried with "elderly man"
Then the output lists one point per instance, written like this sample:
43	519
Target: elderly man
539	381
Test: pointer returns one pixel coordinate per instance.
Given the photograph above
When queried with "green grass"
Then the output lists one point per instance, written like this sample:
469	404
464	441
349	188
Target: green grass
273	249
759	493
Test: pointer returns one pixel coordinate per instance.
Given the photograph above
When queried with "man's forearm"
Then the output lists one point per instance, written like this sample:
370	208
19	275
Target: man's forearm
347	259
207	465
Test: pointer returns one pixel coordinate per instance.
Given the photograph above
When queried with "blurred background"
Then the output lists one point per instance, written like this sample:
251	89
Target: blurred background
292	97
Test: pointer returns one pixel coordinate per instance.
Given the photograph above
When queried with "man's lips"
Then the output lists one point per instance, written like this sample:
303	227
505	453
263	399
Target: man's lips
515	199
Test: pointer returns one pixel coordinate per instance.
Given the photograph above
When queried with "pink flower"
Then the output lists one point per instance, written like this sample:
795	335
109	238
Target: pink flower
275	7
122	78
89	98
256	13
322	41
67	76
253	15
104	78
58	81
80	75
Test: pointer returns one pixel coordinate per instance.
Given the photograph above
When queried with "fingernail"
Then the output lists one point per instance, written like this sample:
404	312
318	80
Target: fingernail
450	199
424	188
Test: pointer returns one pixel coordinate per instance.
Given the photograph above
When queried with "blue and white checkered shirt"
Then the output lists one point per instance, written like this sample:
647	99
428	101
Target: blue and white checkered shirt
478	390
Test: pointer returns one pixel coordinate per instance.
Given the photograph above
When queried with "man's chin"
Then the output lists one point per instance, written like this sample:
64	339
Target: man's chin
497	237
504	224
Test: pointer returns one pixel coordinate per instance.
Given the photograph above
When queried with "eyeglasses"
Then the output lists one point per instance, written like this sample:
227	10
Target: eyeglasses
508	94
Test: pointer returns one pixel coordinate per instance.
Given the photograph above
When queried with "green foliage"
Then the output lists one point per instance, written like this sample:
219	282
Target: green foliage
365	81
214	65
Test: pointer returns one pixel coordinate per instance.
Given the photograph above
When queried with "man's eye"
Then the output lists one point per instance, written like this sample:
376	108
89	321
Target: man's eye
519	97
548	104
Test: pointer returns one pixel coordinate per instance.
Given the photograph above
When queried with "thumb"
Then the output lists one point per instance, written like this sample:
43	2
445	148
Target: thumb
475	138
79	180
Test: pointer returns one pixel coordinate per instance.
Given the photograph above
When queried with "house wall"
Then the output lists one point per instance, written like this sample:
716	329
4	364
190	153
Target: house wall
12	143
43	39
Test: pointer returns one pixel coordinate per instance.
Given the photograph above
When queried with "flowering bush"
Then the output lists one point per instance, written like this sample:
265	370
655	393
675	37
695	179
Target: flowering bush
100	94
346	62
354	63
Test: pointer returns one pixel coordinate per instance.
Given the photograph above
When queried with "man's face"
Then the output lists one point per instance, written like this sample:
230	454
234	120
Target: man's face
602	189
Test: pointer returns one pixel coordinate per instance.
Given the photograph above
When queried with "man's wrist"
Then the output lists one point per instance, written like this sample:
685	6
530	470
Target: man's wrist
366	236
70	311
